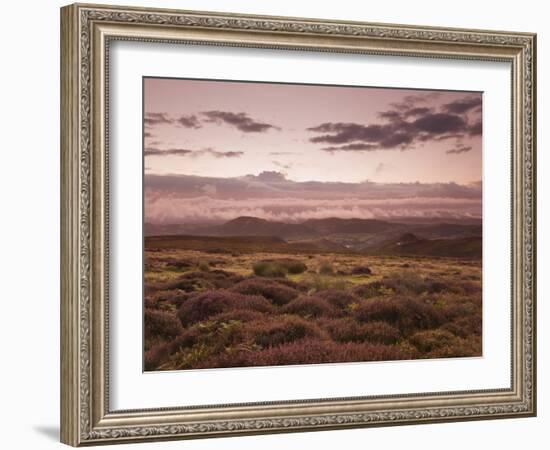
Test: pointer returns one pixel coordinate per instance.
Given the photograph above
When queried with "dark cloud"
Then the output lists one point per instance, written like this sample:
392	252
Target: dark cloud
445	137
147	135
352	147
189	121
476	129
241	121
401	127
418	111
463	105
218	154
390	115
459	149
440	124
412	101
347	132
153	118
283	153
153	151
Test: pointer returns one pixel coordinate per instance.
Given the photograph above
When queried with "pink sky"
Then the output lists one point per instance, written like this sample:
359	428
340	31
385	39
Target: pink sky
212	131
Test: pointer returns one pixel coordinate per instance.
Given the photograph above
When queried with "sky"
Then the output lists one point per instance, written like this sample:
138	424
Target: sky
215	150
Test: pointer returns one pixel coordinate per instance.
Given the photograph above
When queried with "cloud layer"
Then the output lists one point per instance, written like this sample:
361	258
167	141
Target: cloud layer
269	195
241	121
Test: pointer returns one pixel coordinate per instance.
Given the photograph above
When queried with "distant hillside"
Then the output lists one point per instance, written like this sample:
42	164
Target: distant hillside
253	226
410	244
367	236
240	244
154	229
314	228
334	225
447	230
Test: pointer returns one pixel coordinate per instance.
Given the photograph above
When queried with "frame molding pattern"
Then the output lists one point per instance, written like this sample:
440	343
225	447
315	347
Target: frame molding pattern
84	430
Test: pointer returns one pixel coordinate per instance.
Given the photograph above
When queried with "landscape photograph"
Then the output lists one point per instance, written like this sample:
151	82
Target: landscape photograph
292	224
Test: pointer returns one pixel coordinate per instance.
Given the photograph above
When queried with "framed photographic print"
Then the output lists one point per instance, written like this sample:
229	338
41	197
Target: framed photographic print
276	224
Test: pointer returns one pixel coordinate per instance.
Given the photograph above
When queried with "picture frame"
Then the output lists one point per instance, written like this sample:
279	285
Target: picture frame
87	32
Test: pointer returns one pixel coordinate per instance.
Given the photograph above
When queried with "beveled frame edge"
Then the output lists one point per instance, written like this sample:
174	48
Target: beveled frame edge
85	30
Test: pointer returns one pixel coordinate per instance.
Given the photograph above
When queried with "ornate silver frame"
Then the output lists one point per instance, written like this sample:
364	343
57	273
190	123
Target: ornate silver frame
86	31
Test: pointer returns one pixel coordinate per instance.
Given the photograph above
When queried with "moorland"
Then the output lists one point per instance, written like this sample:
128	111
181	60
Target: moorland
251	292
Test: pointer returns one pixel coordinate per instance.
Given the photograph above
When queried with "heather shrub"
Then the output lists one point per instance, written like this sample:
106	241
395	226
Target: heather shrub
217	250
242	315
436	287
155	356
188	358
184	283
361	270
406	282
178	264
178	298
203	266
310	306
381	332
151	286
160	324
349	330
163	299
453	307
451	285
200	281
309	351
292	284
317	283
289	265
405	313
369	290
268	269
203	340
305	351
353	351
464	326
296	267
280	330
344	329
461	347
153	301
338	298
203	305
469	288
428	340
187	339
278	293
325	268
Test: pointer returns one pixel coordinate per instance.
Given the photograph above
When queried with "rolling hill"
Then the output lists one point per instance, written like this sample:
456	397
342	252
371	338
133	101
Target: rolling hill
240	244
254	226
410	244
334	225
367	236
